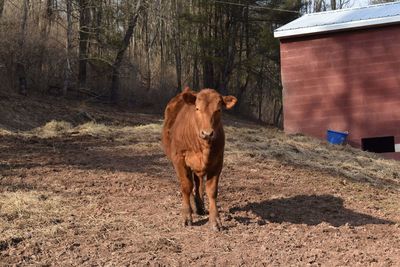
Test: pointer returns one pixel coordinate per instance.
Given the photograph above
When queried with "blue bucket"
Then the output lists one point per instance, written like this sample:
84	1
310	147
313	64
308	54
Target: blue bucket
336	138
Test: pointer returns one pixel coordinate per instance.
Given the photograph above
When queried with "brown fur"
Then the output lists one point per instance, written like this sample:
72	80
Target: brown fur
193	139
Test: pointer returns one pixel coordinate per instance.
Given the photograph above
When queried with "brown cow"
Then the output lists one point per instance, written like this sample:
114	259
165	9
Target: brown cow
193	139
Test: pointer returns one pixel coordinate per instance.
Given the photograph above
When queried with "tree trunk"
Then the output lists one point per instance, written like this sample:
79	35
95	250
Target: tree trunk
162	34
230	57
147	48
68	71
239	68
246	38
333	4
278	108
239	96
216	50
49	17
120	55
319	5
1	7
177	44
20	70
84	20
260	100
208	67
99	23
196	81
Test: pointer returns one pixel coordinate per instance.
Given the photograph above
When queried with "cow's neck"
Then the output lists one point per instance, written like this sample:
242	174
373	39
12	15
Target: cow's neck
204	157
206	151
200	160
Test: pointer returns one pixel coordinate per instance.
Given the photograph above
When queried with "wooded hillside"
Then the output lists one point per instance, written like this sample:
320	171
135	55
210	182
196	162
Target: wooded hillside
142	52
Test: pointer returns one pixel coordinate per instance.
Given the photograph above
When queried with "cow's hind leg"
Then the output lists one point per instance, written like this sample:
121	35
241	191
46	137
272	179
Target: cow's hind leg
186	183
212	192
198	194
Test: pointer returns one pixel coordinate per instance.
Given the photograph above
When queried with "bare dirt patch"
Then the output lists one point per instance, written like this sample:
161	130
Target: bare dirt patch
101	192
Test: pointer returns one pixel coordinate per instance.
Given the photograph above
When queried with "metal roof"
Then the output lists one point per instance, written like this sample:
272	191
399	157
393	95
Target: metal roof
341	19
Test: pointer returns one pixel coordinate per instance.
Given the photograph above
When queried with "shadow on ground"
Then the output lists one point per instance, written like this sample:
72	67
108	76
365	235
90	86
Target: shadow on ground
83	152
307	209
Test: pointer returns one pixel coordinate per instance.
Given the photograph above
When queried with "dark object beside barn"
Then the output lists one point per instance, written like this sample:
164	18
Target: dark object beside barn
378	144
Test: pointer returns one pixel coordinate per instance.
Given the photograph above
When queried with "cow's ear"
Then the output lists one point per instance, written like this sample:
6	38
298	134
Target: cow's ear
189	97
229	101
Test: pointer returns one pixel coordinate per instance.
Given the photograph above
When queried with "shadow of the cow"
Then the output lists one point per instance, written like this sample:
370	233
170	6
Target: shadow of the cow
309	210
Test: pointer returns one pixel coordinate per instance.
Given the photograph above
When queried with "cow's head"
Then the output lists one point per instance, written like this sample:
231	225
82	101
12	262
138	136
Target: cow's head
208	104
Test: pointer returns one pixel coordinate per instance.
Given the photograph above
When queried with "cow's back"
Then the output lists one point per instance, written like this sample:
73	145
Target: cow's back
172	110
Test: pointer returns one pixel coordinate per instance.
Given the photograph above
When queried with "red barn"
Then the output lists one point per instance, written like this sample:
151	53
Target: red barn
341	71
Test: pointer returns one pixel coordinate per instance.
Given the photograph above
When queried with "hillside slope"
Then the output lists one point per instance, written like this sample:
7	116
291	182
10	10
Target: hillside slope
82	184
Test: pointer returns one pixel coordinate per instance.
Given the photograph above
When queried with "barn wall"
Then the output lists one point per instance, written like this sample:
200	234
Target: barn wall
346	81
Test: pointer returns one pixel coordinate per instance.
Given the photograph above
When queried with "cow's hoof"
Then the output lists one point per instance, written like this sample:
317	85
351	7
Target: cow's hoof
188	222
200	211
216	226
199	206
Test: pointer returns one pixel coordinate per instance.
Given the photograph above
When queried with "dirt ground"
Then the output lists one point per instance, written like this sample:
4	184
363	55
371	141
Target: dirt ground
78	192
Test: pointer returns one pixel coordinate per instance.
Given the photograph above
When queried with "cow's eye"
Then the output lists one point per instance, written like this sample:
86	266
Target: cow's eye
197	108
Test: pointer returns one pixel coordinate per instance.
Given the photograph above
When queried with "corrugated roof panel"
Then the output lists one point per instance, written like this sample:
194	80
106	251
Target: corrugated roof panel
342	19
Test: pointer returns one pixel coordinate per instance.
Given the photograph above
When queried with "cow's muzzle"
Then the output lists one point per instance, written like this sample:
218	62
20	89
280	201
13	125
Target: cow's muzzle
207	135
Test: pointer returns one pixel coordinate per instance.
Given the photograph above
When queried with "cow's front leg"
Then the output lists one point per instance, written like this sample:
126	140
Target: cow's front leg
186	188
185	179
212	192
199	194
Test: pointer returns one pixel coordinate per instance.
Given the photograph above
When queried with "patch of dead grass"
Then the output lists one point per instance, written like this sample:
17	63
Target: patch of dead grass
52	129
4	131
93	129
257	145
143	133
26	213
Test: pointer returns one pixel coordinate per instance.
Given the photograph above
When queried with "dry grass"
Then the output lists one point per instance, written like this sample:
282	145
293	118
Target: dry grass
52	129
261	144
139	133
144	137
251	144
23	214
4	131
93	129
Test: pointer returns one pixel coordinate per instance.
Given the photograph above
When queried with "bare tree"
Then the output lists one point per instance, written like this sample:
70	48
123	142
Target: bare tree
84	21
120	55
1	7
333	4
20	66
176	33
68	70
